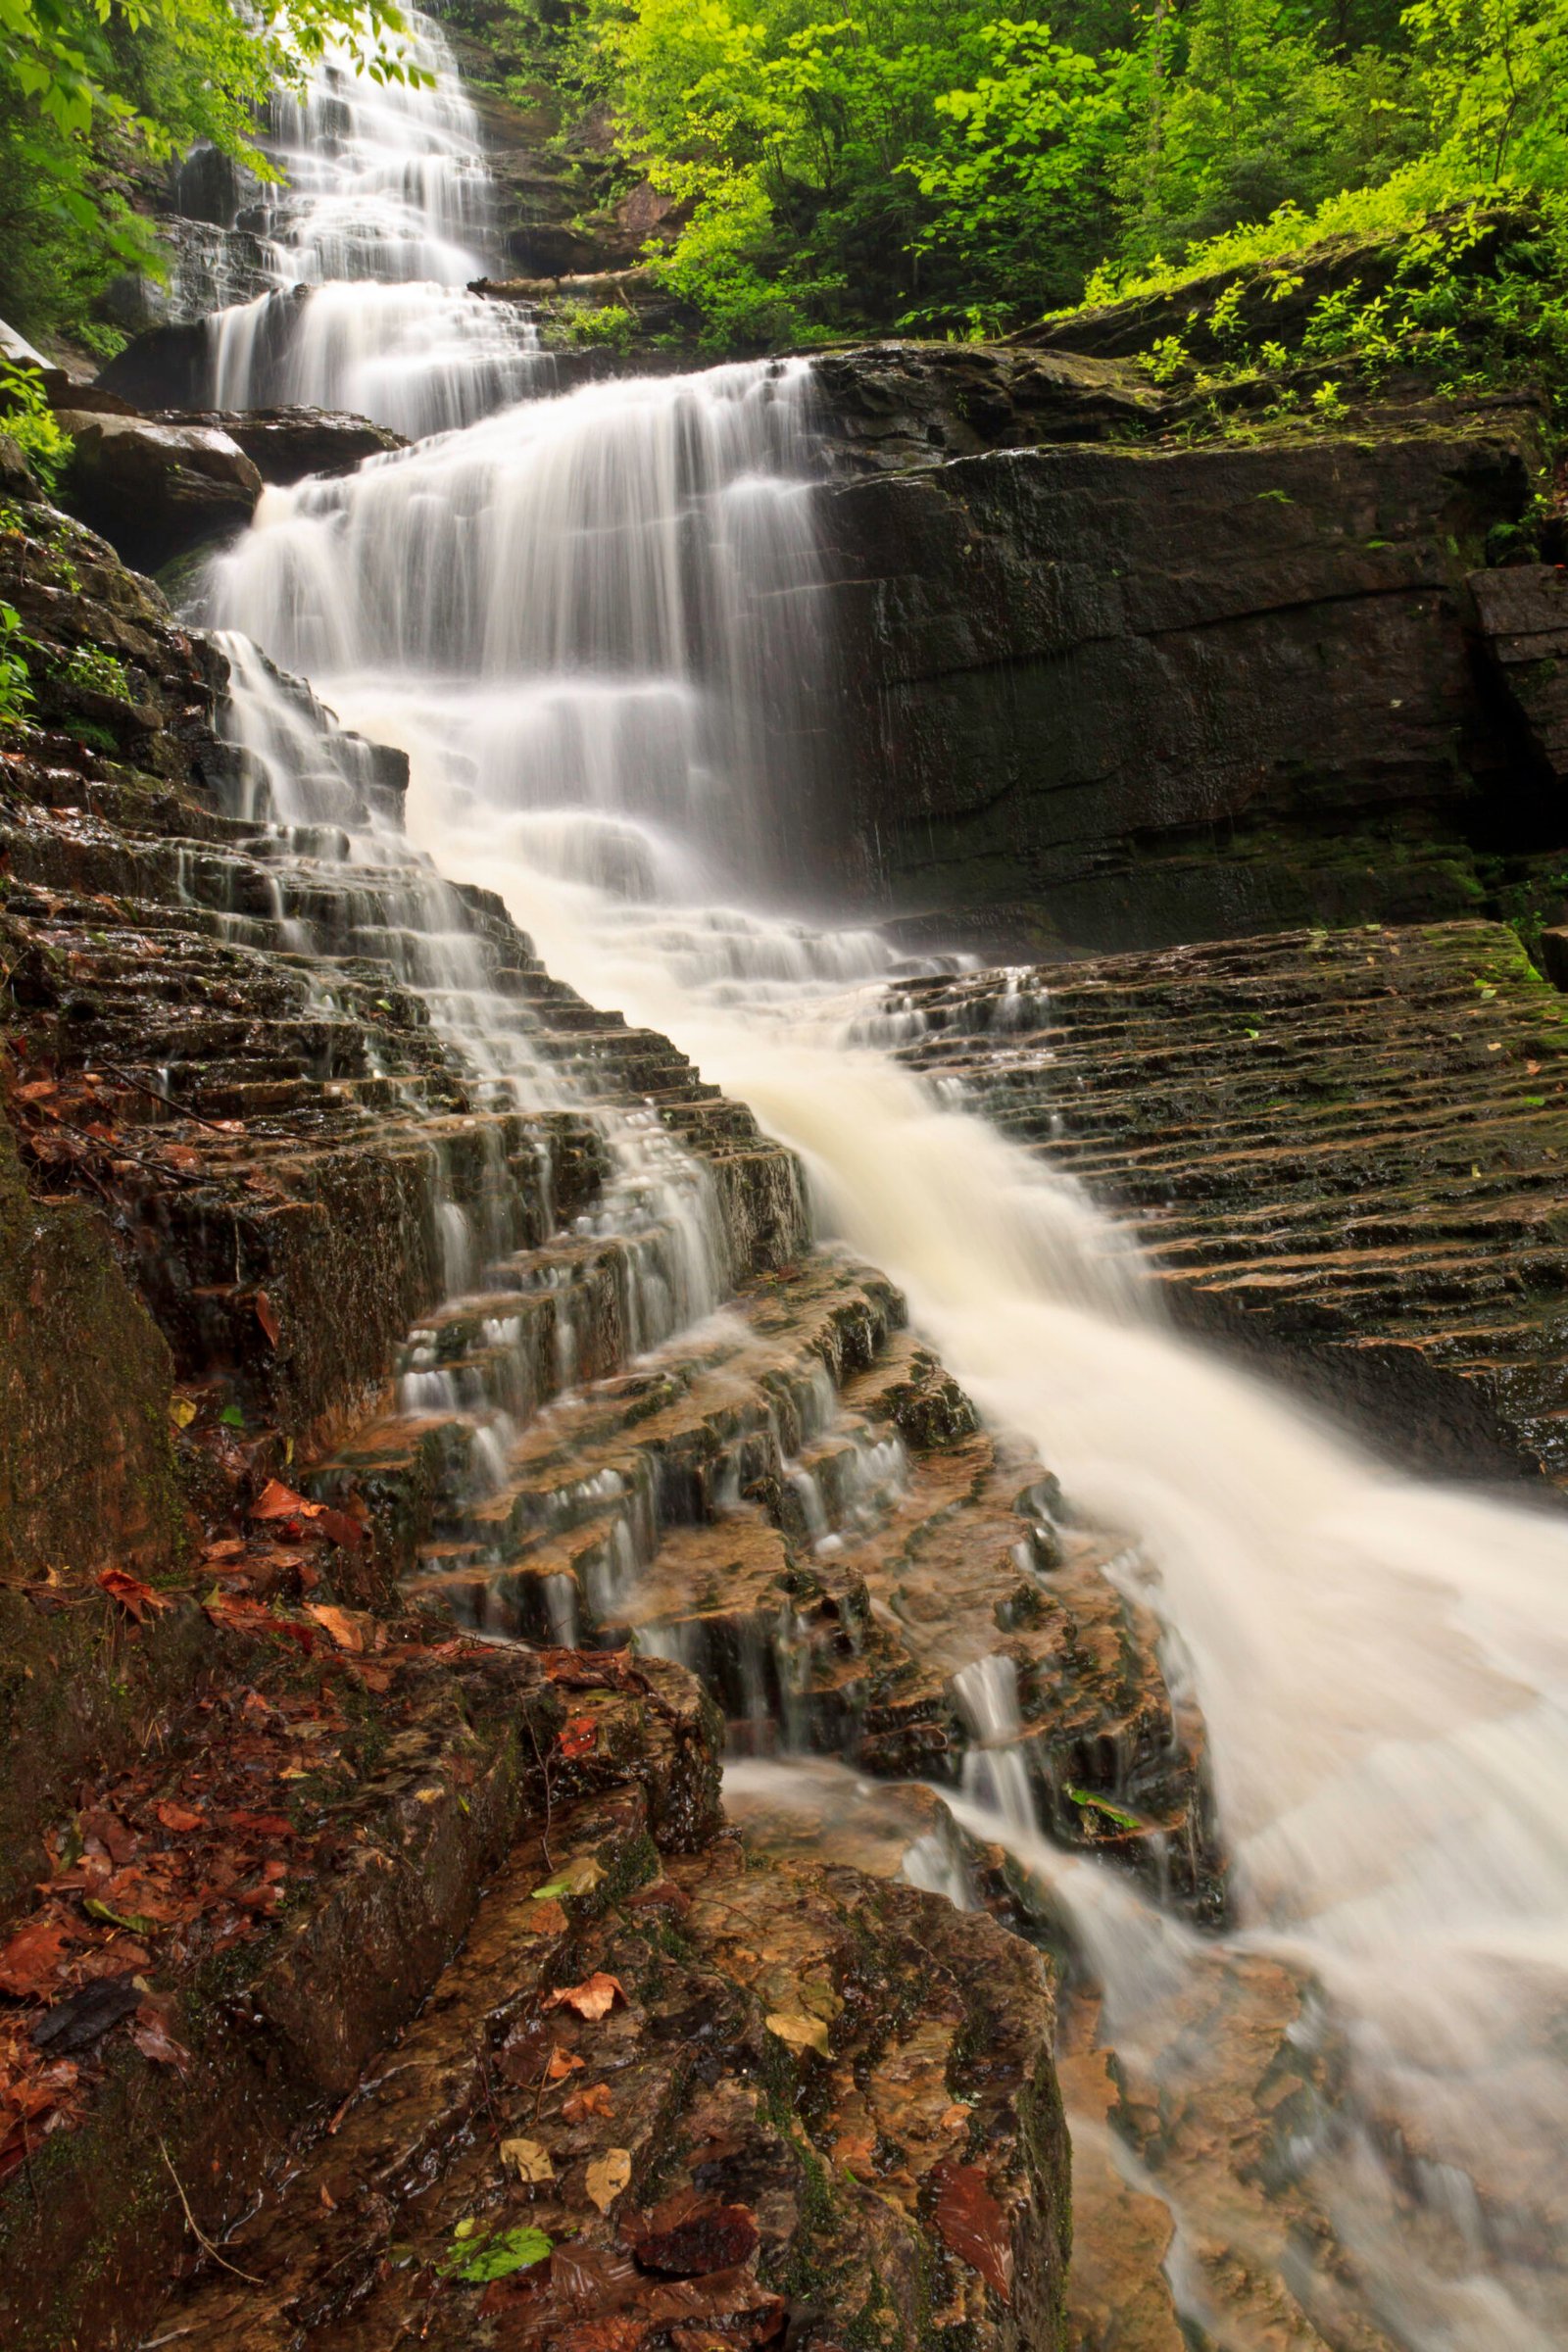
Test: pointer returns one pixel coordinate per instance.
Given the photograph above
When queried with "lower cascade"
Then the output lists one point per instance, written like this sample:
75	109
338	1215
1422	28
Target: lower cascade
580	619
843	1402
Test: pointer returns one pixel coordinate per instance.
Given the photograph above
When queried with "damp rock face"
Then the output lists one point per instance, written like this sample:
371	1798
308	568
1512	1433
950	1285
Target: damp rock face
1113	690
154	489
1342	1151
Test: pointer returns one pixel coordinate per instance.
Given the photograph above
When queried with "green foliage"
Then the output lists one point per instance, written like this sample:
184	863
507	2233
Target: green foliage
27	417
97	670
592	326
15	694
479	2261
955	166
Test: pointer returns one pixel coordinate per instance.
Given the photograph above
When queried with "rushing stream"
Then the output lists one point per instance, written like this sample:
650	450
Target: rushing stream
588	620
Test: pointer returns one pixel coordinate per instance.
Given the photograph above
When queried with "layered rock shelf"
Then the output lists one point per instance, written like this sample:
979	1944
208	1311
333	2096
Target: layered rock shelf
1343	1152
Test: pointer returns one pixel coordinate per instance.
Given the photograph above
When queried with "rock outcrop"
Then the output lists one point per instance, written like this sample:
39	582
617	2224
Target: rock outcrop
1343	1154
155	490
1123	696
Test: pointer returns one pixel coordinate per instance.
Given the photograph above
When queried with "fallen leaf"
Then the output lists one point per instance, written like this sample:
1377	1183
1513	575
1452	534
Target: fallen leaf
972	2225
691	2235
181	1413
561	2063
177	1816
133	1594
340	1622
529	2159
593	2099
267	1317
580	1736
339	1527
621	2332
608	2177
86	2017
495	2257
594	1997
278	1502
152	2037
260	1825
30	1958
96	1909
576	1879
548	1920
800	2031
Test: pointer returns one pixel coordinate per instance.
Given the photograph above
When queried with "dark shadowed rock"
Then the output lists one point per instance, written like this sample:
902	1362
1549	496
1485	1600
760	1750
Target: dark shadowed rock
286	444
153	489
1121	695
1524	618
166	367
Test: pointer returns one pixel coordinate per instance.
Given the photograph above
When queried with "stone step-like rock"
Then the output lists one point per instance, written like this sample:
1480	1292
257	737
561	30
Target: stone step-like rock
1344	1151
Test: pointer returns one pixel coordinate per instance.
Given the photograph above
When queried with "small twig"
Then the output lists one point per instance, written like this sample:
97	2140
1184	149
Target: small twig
544	1836
158	1096
197	2231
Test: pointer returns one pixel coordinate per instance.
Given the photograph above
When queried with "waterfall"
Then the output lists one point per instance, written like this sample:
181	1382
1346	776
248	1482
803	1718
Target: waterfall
594	624
382	220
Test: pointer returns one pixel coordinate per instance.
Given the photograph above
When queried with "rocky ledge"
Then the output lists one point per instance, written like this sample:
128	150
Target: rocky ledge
1341	1150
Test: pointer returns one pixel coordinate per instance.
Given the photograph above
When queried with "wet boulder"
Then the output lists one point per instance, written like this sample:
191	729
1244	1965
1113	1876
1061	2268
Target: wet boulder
154	490
285	444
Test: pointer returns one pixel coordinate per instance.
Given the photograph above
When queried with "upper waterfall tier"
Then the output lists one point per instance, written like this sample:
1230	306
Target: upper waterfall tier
383	216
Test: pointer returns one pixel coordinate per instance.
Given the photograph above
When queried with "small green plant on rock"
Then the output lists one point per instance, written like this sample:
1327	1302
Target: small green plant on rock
15	692
27	418
592	326
96	671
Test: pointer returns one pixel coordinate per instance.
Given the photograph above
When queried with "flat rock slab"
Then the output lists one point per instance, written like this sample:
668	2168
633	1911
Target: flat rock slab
1344	1151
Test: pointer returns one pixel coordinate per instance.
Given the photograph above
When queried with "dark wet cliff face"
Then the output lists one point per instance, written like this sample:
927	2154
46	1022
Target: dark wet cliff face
1115	690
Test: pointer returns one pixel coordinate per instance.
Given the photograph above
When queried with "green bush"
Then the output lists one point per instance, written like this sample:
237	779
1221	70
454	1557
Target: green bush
27	418
15	694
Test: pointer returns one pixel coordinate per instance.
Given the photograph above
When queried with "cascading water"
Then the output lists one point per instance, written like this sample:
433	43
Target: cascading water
586	621
380	224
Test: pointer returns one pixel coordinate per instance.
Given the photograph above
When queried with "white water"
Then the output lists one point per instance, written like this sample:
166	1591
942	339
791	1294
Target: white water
382	220
591	622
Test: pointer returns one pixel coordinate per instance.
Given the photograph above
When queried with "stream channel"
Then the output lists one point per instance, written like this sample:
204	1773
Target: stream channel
590	619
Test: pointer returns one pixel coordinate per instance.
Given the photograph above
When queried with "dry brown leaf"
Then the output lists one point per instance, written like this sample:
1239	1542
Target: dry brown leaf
594	1997
340	1622
278	1502
177	1816
153	2039
529	2159
561	2064
608	2177
133	1594
267	1317
593	2099
27	1963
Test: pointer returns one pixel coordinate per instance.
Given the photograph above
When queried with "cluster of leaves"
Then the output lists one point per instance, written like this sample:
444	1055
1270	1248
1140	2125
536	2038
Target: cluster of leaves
1470	301
957	165
16	691
28	419
94	94
574	324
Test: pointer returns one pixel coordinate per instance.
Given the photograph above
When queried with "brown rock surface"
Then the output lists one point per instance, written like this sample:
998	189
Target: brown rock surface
1344	1151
